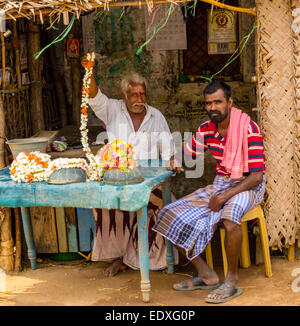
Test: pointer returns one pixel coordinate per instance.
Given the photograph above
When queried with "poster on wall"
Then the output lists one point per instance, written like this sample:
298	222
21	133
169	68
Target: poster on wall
172	36
221	31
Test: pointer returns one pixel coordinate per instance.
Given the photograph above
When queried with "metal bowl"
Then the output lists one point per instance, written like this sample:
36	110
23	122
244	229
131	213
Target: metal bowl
117	176
67	175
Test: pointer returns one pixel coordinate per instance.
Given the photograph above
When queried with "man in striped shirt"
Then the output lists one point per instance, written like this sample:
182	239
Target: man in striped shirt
189	223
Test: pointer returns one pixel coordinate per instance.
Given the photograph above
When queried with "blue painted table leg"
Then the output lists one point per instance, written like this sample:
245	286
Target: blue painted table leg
169	245
29	236
144	252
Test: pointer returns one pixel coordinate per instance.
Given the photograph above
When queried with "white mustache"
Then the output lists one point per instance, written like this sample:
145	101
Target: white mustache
139	104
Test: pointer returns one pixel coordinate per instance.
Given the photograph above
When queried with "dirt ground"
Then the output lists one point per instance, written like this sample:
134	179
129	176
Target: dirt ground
82	283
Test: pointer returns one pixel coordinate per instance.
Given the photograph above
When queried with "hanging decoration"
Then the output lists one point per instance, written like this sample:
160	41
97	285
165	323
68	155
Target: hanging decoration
59	38
95	171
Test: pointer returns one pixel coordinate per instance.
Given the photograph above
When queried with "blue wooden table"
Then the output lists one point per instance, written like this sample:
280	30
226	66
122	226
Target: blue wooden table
133	198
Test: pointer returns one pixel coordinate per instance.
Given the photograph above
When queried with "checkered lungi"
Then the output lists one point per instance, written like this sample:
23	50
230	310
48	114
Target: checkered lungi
189	223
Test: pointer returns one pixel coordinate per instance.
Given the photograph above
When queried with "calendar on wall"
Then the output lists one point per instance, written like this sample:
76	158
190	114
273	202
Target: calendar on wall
221	31
172	36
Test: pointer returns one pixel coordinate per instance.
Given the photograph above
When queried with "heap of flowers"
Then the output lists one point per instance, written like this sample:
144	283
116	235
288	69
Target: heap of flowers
117	154
29	167
94	170
65	163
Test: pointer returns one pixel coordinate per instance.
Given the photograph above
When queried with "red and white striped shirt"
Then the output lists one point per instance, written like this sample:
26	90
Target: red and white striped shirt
208	137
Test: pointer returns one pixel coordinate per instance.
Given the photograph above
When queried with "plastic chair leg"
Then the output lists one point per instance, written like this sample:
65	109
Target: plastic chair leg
265	245
208	254
291	253
245	252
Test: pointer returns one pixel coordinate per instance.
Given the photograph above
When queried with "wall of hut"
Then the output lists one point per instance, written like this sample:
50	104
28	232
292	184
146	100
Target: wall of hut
180	102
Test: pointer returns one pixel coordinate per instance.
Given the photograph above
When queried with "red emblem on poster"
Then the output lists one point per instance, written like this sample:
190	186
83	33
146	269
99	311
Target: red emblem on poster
73	47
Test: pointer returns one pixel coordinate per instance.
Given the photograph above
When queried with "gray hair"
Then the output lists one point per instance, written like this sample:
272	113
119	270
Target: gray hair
132	77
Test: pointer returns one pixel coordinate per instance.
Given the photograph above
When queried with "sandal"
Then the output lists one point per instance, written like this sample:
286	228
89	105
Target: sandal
197	283
225	289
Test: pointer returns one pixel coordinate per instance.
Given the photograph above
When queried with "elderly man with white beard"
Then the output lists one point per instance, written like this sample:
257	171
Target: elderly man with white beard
145	128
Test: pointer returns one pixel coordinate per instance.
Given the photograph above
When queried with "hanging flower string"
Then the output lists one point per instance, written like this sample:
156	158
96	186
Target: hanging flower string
95	171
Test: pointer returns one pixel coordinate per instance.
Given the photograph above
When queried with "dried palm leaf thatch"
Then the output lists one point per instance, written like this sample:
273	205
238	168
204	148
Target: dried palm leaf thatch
28	9
276	97
296	39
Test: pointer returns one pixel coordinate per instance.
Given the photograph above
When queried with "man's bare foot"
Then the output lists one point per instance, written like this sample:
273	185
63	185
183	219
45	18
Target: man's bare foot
114	268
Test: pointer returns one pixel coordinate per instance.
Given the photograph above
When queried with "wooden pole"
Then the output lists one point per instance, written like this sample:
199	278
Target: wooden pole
58	84
3	59
35	75
2	135
76	80
18	240
16	46
6	241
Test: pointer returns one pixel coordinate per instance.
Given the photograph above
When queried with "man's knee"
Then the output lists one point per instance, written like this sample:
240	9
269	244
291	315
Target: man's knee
231	227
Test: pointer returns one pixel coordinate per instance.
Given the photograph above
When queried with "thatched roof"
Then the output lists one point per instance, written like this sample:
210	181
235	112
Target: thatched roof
28	9
20	8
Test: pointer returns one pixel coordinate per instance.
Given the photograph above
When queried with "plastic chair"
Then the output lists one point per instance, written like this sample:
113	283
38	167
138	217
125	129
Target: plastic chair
256	213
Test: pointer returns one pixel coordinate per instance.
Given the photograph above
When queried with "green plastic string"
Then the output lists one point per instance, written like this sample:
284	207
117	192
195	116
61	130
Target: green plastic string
155	31
239	49
51	24
59	38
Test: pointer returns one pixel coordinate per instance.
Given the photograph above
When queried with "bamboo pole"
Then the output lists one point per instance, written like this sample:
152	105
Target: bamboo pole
135	4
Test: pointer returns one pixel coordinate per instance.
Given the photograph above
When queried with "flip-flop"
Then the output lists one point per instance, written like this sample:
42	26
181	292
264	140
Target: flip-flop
197	283
228	289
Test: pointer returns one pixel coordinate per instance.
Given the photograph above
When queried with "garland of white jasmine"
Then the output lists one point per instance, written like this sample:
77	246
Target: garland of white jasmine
36	166
95	172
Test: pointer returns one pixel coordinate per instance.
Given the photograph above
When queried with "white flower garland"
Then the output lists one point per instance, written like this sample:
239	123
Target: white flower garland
36	166
29	167
95	172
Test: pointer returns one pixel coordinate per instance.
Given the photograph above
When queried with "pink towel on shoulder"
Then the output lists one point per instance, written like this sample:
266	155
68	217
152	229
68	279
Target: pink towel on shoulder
235	156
